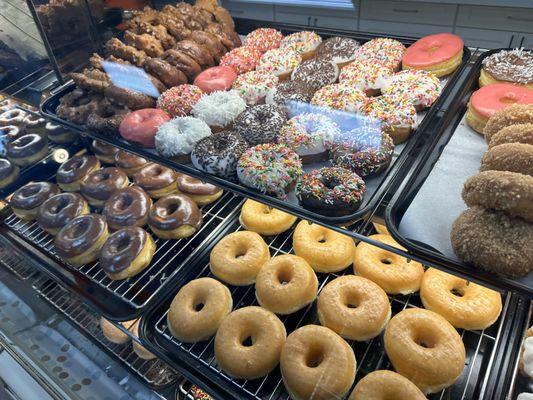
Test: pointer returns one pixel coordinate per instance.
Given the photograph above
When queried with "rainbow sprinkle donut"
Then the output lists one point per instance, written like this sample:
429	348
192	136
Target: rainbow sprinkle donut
388	52
420	87
264	39
340	97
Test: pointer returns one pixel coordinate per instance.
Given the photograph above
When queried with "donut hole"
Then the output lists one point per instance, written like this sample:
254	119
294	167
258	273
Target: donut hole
314	357
247	341
425	341
386	261
285	275
458	291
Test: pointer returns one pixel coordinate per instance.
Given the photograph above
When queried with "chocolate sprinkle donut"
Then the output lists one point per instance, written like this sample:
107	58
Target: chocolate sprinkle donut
289	94
316	73
261	123
338	49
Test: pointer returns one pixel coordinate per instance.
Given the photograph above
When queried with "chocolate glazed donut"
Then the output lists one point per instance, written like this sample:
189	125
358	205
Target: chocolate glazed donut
157	180
103	151
127	207
75	170
127	252
27	149
26	201
175	216
129	163
100	184
9	173
59	210
201	193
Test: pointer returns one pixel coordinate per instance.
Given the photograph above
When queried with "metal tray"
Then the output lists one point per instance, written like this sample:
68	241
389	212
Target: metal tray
376	187
412	179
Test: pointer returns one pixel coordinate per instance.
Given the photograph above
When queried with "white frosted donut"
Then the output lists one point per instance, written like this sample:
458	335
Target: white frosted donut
219	109
253	86
178	136
420	87
279	62
366	75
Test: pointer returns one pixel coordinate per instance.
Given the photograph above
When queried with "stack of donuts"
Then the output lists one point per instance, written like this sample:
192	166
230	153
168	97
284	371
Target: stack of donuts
316	360
96	214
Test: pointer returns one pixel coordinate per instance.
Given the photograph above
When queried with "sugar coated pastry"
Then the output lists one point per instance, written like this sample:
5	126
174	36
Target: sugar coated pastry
176	138
269	168
388	52
215	78
384	384
326	250
519	133
340	96
265	220
425	348
525	362
261	123
264	39
279	62
339	50
310	135
421	87
393	273
354	307
304	43
333	191
513	157
512	115
366	75
241	59
493	241
253	86
219	109
508	66
316	363
316	73
440	54
492	98
178	101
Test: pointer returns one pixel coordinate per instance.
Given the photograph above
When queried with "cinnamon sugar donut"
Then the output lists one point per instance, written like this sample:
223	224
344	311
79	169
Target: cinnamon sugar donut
384	384
512	115
513	157
519	133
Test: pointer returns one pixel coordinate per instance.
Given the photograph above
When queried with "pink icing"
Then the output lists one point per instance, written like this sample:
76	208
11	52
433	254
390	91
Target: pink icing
432	49
491	98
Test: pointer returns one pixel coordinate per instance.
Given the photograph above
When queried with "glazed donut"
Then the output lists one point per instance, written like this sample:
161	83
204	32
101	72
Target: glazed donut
178	101
260	124
13	116
285	284
127	207
254	86
440	54
201	193
263	219
100	184
248	342
183	62
513	157
104	151
25	202
393	273
492	98
381	228
493	241
141	126
55	212
219	109
238	257
137	347
512	115
326	250
75	170
509	192
198	309
305	43
425	348
8	133
114	334
129	163
27	149
384	384
219	154
333	191
127	252
242	59
79	241
388	52
366	75
59	134
317	364
354	307
420	87
507	66
175	216
464	304
216	78
279	62
34	124
340	96
157	180
9	173
316	73
264	39
339	50
128	98
519	133
270	168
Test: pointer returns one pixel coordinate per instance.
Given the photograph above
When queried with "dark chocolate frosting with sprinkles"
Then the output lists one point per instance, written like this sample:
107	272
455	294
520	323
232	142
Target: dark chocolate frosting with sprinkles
338	49
261	123
290	91
316	73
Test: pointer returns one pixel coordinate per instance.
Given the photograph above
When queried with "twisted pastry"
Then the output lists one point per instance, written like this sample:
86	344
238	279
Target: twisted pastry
183	62
78	105
175	26
157	31
91	79
128	98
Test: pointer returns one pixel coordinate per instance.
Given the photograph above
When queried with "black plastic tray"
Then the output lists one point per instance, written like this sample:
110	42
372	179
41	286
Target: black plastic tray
413	176
371	200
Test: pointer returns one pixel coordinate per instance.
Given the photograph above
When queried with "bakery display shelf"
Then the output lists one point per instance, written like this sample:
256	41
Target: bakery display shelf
481	346
376	186
123	299
427	196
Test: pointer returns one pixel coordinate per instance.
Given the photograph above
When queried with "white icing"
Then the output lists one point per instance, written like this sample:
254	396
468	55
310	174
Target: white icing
525	396
219	108
527	357
180	135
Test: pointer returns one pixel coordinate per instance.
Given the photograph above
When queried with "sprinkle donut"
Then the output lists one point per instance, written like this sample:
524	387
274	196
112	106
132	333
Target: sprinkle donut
508	66
291	95
264	39
366	75
340	97
179	100
316	73
420	87
279	62
388	52
304	43
339	50
242	59
260	124
253	86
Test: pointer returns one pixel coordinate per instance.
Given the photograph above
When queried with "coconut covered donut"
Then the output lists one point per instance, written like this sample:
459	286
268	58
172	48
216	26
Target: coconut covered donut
508	66
219	109
176	138
385	384
265	220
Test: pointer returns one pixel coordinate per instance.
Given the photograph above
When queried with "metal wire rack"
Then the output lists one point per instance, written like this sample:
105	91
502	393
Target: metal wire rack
480	345
189	391
16	263
155	372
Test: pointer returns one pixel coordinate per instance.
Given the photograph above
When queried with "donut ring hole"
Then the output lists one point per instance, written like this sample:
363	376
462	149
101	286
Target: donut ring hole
508	99
170	209
248	341
425	341
458	291
62	204
314	357
285	275
79	229
124	202
122	244
352	300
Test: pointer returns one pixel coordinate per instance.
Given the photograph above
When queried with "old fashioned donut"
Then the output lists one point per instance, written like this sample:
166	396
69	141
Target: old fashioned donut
285	284
183	62
354	307
393	273
129	163
197	51
27	149
265	220
425	348
519	133
141	126
9	173
238	257
509	192
157	180
198	310
127	207
175	216
75	170
77	105
248	342
104	151
128	98
25	201
513	157
440	54
508	66
384	384
165	72
107	119
260	123
316	363
202	193
211	42
464	304
55	212
512	115
326	250
100	184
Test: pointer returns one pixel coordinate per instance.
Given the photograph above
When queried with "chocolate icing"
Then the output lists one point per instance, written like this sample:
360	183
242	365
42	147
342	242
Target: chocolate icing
76	168
101	183
189	185
154	177
13	116
33	194
121	249
261	123
26	146
6	168
127	207
175	210
316	73
338	47
102	148
124	159
60	209
511	66
79	235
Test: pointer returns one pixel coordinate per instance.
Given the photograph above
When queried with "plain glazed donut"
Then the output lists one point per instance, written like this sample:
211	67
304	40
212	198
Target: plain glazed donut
265	220
317	364
425	348
238	257
114	334
512	115
325	250
393	273
248	342
512	157
464	304
383	385
286	284
354	307
198	310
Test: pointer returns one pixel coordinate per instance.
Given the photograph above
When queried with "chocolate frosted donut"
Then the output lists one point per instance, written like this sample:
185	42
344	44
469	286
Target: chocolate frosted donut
128	162
101	183
13	116
27	149
290	94
175	216
157	180
103	151
74	171
11	132
200	192
514	157
127	207
59	210
260	124
316	73
59	134
26	201
510	66
340	50
34	124
9	173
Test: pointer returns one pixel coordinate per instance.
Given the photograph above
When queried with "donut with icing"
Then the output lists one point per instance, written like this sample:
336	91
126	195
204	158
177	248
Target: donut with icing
75	170
366	75
27	149
340	96
9	173
56	211
128	206
141	126
202	193
175	216
157	180
508	66
305	43
216	78
129	163
279	62
176	138
178	101
26	201
420	87
241	59
339	50
254	86
261	123
264	39
100	184
388	52
316	73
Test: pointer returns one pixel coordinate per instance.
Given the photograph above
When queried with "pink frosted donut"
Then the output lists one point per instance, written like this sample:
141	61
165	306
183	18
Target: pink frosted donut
178	101
340	97
253	86
264	39
216	78
141	126
242	59
491	98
